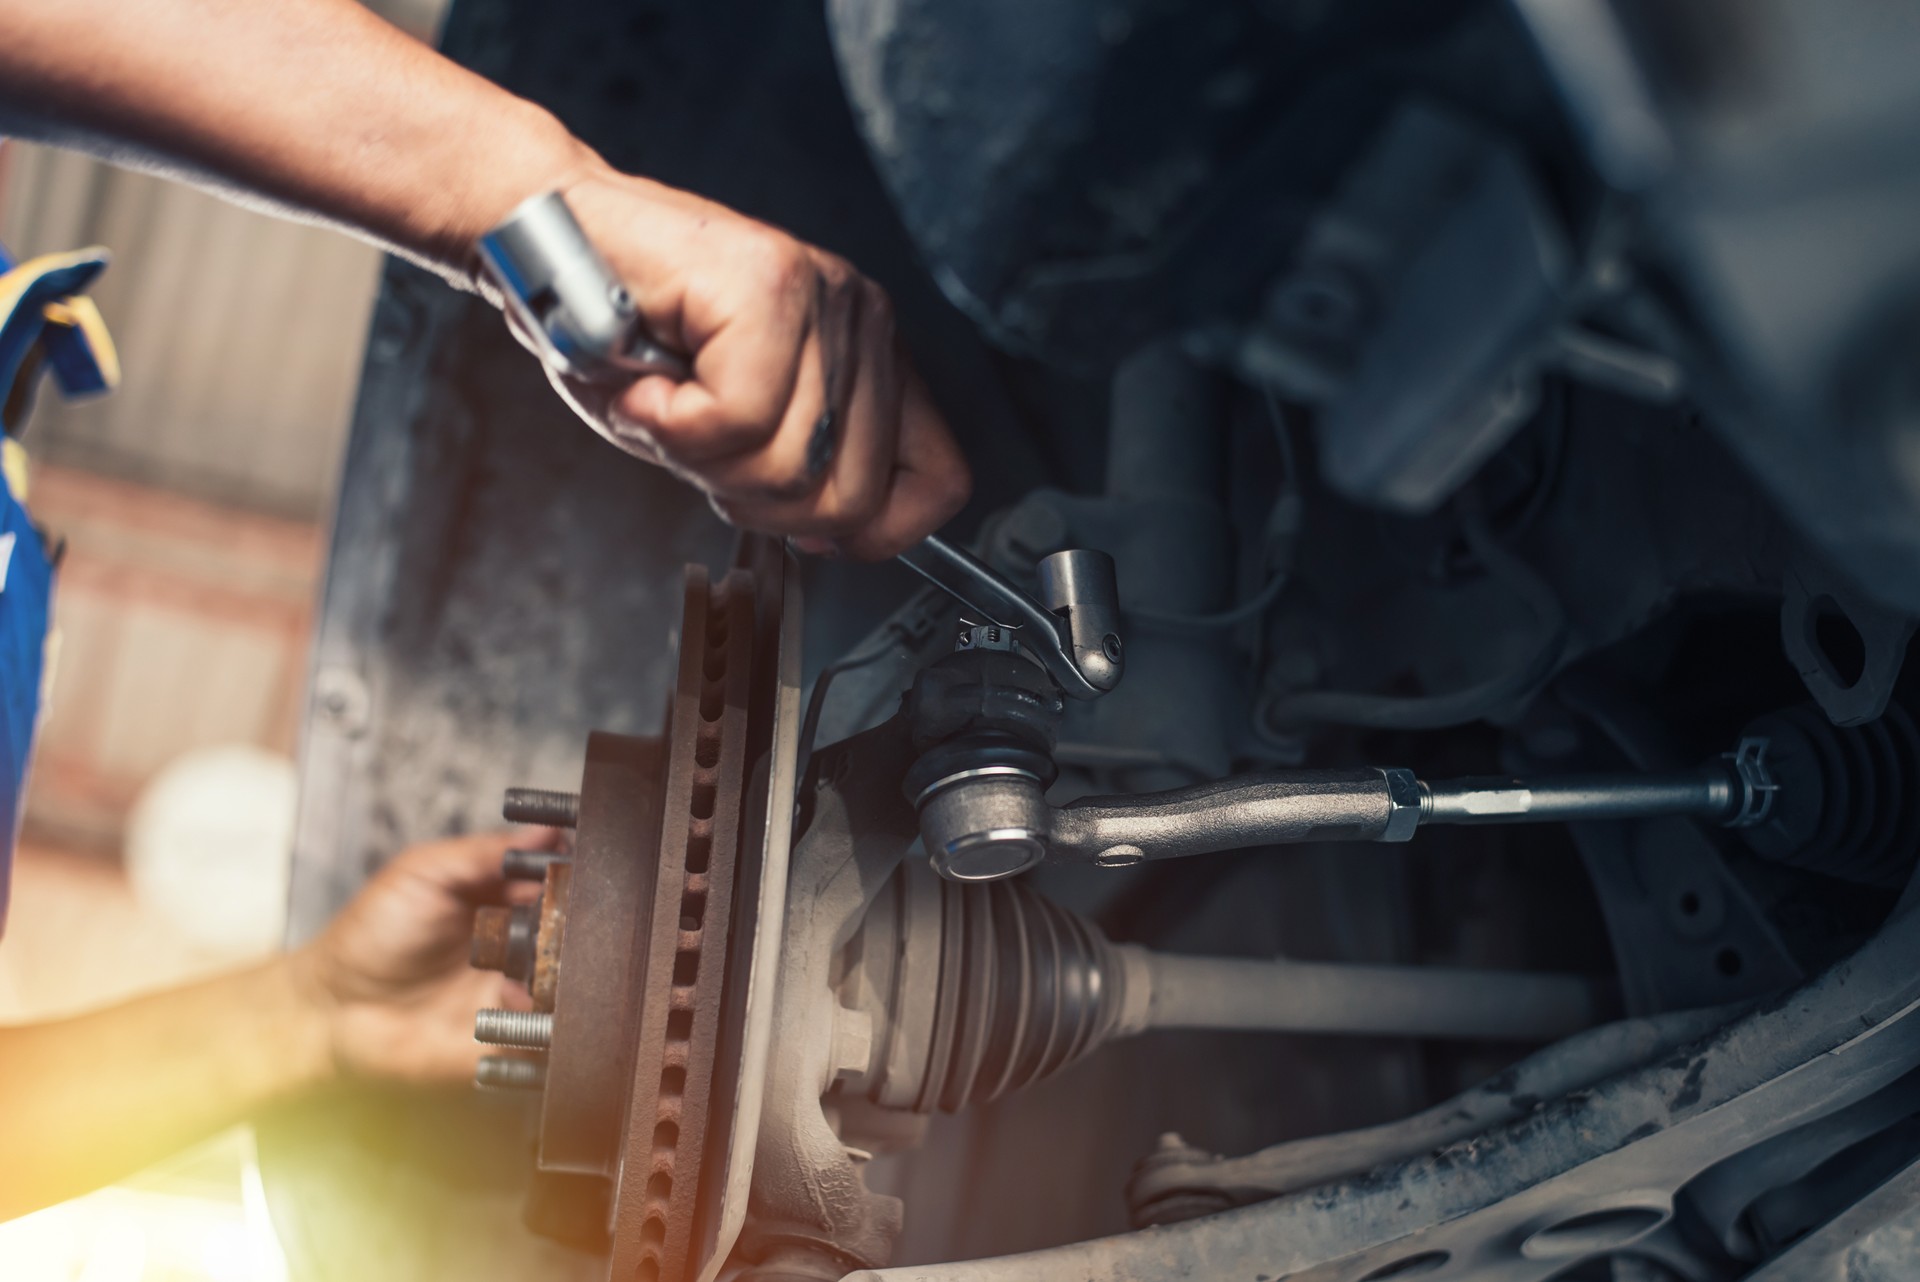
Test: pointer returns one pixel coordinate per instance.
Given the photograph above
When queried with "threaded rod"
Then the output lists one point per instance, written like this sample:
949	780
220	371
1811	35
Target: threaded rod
545	806
1709	793
504	1073
530	1030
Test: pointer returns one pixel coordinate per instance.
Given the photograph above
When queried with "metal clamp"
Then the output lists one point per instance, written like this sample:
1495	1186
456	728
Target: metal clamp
1748	762
1075	634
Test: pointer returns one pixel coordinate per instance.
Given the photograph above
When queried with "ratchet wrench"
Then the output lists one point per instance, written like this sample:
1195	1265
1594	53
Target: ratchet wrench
584	321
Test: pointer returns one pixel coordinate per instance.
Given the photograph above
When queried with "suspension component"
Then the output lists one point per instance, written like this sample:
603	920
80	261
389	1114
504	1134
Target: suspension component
973	991
1000	812
1799	790
1848	803
985	720
1073	632
962	993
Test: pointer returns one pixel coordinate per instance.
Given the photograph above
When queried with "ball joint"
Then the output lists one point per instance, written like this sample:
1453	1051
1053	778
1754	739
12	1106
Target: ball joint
984	823
984	721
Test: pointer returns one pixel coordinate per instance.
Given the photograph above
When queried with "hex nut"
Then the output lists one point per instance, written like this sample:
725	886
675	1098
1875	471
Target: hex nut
1403	804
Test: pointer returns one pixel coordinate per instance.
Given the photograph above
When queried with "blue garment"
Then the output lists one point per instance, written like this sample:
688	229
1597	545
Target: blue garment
26	595
46	327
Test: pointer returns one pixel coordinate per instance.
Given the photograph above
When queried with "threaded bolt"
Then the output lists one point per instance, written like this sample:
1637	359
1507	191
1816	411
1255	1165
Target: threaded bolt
528	865
528	1030
543	806
504	1073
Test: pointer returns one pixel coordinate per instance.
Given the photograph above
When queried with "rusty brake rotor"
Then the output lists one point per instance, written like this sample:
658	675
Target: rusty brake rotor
641	953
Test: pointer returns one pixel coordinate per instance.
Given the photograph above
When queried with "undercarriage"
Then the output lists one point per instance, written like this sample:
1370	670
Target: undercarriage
1411	775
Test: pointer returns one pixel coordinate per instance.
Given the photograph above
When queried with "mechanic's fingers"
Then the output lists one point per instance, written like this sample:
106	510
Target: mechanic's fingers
858	485
796	461
855	482
470	866
793	420
748	369
456	862
929	484
510	995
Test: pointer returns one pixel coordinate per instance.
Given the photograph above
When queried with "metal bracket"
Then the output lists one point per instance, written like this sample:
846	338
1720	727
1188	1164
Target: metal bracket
1848	650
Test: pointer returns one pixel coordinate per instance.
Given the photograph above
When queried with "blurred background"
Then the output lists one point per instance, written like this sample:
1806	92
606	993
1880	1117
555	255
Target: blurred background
193	503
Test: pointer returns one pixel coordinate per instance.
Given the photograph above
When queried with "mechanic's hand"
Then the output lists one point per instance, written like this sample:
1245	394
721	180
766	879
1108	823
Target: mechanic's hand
804	416
389	976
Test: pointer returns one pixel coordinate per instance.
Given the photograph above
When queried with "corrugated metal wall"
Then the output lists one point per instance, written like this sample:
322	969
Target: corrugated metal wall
240	335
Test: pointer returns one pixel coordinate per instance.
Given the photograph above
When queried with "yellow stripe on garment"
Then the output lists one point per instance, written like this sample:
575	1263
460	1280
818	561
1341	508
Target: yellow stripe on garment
78	312
16	282
13	465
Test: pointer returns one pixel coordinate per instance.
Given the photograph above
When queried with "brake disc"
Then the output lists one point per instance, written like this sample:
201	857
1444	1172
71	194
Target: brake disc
651	954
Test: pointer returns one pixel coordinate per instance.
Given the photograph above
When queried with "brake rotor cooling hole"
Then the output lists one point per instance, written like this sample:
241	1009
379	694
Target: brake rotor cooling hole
1729	962
1412	1266
1689	904
1594	1232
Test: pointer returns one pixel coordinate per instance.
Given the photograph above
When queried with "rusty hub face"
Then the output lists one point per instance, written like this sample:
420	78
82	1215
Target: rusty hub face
638	950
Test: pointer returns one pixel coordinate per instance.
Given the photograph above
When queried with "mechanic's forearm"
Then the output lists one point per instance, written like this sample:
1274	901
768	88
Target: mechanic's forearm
87	1100
315	105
